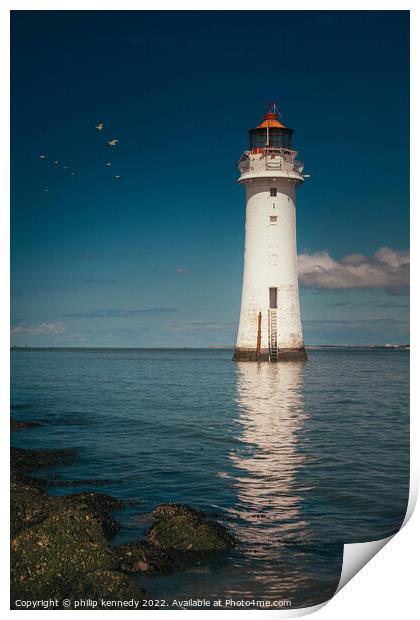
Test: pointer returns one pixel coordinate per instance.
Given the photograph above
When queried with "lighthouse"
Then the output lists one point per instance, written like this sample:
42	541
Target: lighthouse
270	327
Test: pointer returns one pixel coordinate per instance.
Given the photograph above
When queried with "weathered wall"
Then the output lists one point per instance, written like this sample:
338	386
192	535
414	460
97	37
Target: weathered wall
270	261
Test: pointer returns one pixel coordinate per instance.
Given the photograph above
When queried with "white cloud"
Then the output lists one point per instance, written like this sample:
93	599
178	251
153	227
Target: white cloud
39	329
387	268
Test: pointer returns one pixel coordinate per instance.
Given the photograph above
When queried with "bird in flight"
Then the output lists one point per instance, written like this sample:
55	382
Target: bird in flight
46	190
112	142
56	162
42	157
108	163
117	176
72	173
99	126
65	167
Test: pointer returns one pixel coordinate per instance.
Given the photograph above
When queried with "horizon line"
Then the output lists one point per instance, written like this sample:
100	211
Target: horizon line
214	347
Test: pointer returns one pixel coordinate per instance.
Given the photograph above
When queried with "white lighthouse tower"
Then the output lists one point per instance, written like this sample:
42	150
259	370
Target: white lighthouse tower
270	328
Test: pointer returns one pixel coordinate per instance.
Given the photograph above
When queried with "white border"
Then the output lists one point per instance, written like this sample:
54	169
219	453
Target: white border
387	588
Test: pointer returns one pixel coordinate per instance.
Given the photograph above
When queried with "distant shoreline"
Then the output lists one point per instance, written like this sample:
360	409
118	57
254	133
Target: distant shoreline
210	348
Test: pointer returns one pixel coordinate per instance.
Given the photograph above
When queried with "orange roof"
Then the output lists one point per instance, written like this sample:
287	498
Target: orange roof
270	120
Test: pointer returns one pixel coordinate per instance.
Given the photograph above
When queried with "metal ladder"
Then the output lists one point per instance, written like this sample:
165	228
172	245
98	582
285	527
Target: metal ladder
272	335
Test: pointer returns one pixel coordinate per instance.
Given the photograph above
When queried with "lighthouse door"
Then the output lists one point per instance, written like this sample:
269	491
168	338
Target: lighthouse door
273	298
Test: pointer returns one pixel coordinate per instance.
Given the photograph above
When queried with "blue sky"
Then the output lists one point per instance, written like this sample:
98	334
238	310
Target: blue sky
155	258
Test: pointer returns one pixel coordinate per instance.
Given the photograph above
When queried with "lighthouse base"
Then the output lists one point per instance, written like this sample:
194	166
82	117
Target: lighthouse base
283	355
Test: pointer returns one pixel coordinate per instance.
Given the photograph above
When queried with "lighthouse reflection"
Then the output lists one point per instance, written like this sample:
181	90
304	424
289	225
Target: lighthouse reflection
271	428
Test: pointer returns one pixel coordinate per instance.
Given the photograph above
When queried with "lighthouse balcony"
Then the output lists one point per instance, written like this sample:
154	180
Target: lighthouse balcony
270	162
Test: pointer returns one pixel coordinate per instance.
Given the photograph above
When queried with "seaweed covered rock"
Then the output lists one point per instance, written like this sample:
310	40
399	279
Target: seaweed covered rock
48	557
99	505
141	557
28	506
19	482
107	585
59	548
99	501
30	460
54	480
169	510
31	505
187	531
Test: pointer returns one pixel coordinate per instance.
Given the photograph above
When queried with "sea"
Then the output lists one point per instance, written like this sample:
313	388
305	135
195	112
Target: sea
296	459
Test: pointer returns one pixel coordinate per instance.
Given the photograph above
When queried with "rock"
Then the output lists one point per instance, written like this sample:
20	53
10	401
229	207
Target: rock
25	483
140	557
54	480
31	504
17	425
189	534
109	586
99	505
59	549
179	535
99	501
28	506
30	460
186	531
167	511
49	557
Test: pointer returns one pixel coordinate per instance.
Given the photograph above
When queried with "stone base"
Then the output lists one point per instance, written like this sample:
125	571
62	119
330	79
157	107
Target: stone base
283	355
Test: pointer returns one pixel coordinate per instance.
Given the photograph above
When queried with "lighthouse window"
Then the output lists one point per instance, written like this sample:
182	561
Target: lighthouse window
273	220
273	191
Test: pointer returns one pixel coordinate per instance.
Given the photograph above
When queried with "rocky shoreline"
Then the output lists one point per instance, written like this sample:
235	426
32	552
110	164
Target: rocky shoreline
60	546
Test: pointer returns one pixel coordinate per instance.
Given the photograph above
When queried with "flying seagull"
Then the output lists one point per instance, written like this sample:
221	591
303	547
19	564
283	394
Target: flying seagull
112	142
72	173
108	163
42	157
117	176
65	167
99	126
56	162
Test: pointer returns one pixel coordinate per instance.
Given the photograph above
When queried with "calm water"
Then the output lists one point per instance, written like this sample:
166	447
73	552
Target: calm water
295	458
